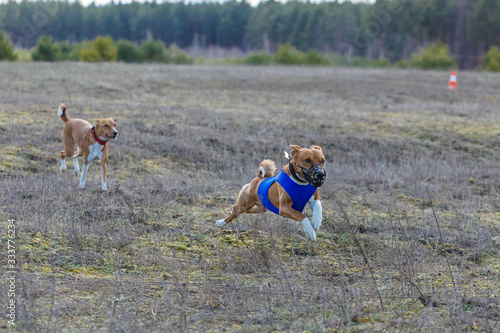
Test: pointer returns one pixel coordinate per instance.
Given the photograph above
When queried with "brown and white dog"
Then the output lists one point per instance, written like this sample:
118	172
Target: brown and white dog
287	193
90	142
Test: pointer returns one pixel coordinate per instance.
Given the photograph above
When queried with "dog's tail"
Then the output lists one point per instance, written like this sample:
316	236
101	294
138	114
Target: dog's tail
62	113
266	168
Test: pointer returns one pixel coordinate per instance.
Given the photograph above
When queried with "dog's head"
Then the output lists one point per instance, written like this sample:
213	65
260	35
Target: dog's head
309	164
106	128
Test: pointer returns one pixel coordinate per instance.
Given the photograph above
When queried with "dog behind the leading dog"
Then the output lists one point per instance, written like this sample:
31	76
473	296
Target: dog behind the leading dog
90	142
287	193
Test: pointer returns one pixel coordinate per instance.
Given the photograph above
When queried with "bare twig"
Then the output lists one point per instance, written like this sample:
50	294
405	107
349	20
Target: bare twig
441	238
351	230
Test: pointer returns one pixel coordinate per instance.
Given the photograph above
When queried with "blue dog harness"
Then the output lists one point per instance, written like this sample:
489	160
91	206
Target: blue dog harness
300	194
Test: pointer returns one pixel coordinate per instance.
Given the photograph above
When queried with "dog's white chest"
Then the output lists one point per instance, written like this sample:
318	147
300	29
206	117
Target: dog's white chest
95	151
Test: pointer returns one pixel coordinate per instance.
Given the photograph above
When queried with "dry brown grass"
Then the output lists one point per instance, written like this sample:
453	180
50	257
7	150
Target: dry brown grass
147	256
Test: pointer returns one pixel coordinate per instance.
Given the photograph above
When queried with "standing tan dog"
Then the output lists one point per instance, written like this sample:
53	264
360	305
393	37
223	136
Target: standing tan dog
89	140
287	193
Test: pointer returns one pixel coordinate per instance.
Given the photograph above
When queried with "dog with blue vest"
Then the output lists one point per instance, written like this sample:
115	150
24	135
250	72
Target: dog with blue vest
287	193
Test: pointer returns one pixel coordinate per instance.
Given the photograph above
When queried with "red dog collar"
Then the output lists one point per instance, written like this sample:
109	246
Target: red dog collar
99	141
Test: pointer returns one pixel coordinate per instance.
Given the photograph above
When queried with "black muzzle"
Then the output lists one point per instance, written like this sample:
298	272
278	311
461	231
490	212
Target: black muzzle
315	175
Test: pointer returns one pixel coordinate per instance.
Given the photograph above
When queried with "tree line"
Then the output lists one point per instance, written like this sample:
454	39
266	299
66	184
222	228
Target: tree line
388	29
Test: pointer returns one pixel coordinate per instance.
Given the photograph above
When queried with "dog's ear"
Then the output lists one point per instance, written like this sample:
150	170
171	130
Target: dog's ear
295	149
317	148
96	121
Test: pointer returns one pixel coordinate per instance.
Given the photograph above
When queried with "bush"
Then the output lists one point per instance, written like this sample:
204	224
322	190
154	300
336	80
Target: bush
404	63
381	63
100	49
90	55
491	61
153	51
67	51
128	51
359	61
23	55
313	57
338	59
289	55
106	49
434	57
363	62
6	50
177	55
261	58
45	49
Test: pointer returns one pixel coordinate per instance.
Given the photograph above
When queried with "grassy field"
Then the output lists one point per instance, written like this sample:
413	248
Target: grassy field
411	231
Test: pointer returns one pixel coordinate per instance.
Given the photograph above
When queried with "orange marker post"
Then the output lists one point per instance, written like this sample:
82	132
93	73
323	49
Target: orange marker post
452	83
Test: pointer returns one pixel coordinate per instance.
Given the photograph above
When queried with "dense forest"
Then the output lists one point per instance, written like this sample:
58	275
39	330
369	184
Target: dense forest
391	29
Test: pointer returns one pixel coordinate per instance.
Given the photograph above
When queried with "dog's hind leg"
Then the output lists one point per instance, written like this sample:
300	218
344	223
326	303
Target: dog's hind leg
75	161
244	204
258	208
63	161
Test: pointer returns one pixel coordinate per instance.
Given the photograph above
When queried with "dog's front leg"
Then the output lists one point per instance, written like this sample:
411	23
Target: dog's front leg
104	168
103	177
84	173
288	211
317	215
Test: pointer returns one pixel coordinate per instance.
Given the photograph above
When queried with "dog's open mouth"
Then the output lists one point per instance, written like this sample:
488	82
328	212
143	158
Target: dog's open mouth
112	136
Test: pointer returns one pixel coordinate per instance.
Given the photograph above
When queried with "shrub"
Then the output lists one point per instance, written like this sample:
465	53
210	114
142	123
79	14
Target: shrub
128	51
289	55
153	51
434	57
261	58
491	61
381	63
359	61
23	55
313	57
364	62
106	49
90	54
404	63
100	49
67	51
45	49
338	59
177	56
6	50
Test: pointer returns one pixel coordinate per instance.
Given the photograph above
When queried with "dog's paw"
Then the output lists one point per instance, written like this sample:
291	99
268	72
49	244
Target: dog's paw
221	223
81	186
104	188
308	229
317	215
316	221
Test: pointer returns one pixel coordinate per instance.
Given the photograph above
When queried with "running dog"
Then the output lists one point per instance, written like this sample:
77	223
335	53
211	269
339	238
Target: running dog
287	193
90	142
